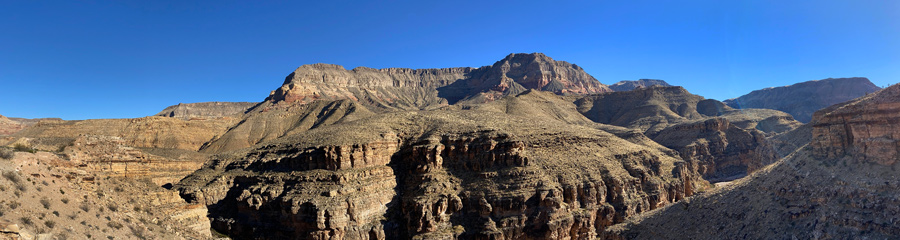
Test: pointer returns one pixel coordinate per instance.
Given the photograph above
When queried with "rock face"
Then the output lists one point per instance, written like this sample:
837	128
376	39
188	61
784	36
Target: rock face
520	167
641	83
109	156
420	88
718	142
802	99
206	110
864	129
843	185
717	149
8	126
323	94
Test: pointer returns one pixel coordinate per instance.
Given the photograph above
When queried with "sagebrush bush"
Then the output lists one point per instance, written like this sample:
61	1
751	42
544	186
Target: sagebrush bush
6	153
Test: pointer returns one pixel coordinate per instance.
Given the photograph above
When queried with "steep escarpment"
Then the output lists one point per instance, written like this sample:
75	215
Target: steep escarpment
519	72
9	126
392	88
205	110
719	142
864	129
717	149
322	94
834	188
423	88
484	171
640	83
802	99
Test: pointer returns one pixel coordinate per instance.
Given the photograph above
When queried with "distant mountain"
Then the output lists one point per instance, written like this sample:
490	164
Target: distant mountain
802	99
642	83
405	88
205	109
317	95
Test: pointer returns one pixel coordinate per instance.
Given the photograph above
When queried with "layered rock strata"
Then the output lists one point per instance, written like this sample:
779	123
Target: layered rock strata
497	172
843	185
109	156
640	83
201	110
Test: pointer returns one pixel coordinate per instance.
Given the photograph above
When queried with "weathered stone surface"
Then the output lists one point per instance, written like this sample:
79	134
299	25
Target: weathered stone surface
640	83
866	129
802	99
528	166
843	185
202	110
8	126
718	142
717	149
111	157
422	88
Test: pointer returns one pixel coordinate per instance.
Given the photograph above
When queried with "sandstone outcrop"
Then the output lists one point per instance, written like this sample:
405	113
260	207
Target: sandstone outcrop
802	99
526	166
148	132
719	142
841	186
9	126
109	156
201	110
422	88
640	83
717	149
864	129
317	95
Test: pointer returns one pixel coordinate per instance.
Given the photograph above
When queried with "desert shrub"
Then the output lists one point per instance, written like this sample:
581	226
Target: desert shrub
50	224
112	207
64	200
12	176
85	207
45	202
56	213
5	153
14	204
26	221
115	225
22	148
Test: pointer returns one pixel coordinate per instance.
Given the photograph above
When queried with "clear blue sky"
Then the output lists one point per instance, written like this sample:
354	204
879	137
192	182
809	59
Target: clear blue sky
124	59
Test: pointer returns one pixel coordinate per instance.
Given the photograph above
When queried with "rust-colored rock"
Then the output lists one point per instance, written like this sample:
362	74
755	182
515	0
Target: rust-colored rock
865	129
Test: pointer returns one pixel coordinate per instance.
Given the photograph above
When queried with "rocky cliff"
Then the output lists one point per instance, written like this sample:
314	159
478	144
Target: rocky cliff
523	167
205	110
718	142
111	157
317	95
802	99
841	186
420	88
864	129
8	126
640	83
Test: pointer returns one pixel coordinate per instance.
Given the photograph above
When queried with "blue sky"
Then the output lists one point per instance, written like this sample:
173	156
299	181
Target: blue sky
124	59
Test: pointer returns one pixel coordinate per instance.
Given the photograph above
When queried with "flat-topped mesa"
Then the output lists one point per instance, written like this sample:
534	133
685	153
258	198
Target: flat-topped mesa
640	83
332	82
864	129
189	111
420	88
